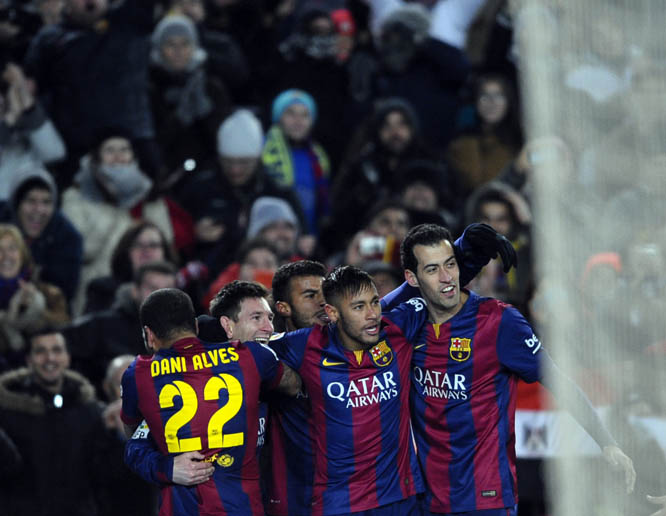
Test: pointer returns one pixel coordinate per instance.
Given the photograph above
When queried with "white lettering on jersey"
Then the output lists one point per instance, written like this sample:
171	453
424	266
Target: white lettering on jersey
417	302
365	391
441	385
533	343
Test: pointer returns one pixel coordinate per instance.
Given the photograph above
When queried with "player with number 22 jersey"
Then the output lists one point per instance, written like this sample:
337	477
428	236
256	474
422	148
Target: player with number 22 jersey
199	396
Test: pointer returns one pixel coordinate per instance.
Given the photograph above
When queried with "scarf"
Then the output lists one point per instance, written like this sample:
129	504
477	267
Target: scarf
277	159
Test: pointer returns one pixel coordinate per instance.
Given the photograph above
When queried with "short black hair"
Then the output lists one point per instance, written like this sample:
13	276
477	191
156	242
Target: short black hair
167	312
423	234
290	270
31	335
345	280
228	300
160	267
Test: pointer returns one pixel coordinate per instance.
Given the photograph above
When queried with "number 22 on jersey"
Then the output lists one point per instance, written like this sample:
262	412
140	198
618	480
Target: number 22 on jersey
216	437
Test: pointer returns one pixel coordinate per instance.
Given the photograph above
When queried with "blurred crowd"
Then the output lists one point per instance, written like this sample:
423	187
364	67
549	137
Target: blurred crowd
188	143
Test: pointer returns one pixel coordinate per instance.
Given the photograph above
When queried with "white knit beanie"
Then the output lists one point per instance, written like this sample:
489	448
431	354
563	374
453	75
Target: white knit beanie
240	136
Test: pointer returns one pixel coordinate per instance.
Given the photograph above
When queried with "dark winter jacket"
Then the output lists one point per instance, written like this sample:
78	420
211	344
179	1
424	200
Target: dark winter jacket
95	339
62	444
95	78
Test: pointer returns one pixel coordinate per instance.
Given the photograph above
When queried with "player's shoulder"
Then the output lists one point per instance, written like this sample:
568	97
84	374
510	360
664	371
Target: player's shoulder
492	304
406	308
303	334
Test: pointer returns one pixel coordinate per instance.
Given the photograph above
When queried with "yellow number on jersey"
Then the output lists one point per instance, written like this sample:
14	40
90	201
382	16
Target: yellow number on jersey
180	418
216	437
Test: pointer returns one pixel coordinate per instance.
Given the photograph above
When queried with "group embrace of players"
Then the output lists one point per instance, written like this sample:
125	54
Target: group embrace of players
385	407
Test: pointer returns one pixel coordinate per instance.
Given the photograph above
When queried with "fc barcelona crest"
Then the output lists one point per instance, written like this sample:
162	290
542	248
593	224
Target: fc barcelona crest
381	354
460	349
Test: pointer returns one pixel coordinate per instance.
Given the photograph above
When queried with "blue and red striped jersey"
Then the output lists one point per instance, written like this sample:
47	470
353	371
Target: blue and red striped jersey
291	473
363	444
464	379
201	396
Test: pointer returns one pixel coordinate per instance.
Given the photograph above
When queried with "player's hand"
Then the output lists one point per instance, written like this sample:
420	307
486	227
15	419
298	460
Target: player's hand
189	469
619	461
484	240
658	500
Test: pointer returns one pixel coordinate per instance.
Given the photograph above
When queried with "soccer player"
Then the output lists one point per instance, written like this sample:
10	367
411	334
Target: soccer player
356	372
195	396
299	303
464	375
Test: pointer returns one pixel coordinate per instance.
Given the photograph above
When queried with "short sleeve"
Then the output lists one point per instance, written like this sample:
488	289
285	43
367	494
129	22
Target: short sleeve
129	413
290	347
410	317
518	347
268	365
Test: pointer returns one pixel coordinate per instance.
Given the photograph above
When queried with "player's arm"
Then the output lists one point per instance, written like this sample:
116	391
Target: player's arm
129	412
276	362
521	352
145	459
290	383
580	407
478	244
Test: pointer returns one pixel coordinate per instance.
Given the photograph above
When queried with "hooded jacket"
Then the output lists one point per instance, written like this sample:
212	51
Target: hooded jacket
59	249
61	441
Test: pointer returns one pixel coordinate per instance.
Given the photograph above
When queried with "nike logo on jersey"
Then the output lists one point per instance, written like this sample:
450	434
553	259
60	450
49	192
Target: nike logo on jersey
419	346
327	363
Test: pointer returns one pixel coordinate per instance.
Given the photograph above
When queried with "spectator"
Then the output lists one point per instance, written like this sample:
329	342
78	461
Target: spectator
220	197
296	161
226	60
425	70
257	261
428	195
273	220
389	139
481	152
142	243
55	244
188	104
91	71
26	303
507	212
94	339
309	63
51	415
379	239
111	192
26	134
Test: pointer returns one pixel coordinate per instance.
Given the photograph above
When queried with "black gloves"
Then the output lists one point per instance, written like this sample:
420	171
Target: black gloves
482	240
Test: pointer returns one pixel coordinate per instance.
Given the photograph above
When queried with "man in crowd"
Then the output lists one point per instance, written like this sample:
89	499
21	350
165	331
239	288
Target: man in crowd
51	415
